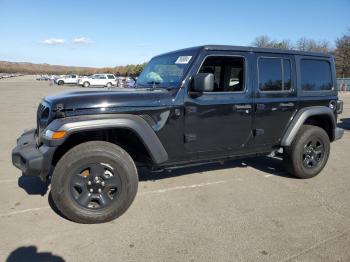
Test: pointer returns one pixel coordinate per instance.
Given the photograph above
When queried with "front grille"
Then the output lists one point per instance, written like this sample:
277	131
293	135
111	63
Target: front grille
42	117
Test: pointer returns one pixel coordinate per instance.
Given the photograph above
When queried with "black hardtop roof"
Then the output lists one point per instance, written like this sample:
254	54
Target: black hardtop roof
254	49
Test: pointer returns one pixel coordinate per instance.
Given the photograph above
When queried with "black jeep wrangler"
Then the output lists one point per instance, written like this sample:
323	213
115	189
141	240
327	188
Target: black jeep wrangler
196	105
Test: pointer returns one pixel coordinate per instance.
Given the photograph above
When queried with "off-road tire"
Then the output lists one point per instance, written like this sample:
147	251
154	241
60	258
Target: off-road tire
294	155
94	152
86	84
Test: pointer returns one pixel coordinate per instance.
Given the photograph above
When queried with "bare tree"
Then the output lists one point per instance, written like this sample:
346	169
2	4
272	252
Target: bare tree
305	44
302	44
265	42
342	55
262	41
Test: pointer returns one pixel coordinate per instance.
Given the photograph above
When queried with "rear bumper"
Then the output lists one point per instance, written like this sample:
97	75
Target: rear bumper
338	133
31	159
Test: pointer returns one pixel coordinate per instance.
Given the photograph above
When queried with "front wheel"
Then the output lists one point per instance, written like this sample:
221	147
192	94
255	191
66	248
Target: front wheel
109	85
309	152
60	82
86	84
94	182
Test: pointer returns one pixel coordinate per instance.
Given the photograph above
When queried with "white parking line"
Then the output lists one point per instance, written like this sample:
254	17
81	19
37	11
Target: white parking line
24	211
181	187
8	180
140	194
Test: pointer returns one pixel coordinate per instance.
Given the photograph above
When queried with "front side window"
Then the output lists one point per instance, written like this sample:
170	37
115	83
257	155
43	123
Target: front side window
166	71
274	74
228	72
316	75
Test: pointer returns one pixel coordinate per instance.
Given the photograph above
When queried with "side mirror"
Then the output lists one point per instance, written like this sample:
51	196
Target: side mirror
203	82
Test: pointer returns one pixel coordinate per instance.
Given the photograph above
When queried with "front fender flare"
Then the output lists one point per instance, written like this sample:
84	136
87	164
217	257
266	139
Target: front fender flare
94	122
300	118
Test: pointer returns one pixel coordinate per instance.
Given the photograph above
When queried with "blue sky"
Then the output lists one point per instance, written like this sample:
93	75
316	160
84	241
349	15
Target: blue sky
110	33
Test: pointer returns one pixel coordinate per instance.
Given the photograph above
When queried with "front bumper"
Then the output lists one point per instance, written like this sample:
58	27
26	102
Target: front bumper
31	159
338	133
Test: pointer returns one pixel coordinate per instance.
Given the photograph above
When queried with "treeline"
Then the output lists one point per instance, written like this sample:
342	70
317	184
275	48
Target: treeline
340	49
30	68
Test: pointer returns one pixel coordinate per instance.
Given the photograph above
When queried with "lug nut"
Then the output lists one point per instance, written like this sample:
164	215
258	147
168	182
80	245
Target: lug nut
99	190
89	182
96	178
102	183
91	190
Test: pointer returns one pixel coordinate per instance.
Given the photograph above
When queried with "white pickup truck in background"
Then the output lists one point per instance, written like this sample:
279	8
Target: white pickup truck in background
68	79
107	80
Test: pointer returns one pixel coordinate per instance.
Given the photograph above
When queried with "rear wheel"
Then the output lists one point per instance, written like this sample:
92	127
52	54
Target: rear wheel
86	84
94	182
109	85
309	152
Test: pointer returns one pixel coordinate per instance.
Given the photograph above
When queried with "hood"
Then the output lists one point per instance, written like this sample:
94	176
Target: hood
105	98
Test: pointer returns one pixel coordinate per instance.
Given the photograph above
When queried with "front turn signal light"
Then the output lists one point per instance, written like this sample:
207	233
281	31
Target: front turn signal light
55	134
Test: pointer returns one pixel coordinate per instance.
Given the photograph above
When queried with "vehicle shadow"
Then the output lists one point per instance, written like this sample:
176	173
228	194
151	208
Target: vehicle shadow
270	165
33	185
30	253
345	123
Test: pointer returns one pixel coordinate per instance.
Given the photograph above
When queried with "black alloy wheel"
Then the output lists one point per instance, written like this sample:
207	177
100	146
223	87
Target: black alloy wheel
95	185
313	153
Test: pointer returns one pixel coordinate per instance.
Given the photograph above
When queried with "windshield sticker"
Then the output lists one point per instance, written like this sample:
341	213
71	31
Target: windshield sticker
183	59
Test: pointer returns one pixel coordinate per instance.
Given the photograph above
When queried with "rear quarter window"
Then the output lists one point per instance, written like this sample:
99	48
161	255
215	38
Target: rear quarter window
316	75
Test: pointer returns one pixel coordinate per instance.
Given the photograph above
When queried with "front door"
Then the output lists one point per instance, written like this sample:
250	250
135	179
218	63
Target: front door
220	122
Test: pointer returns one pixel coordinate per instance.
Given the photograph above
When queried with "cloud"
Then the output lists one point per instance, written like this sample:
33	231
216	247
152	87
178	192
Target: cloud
81	40
53	41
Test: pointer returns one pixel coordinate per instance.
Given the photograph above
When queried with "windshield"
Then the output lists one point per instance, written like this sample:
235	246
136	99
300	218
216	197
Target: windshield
166	71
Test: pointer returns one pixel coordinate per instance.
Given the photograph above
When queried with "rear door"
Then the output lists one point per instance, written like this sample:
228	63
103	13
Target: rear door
275	97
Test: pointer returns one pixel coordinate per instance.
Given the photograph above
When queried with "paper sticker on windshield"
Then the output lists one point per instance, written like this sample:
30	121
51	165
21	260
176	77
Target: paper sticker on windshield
183	59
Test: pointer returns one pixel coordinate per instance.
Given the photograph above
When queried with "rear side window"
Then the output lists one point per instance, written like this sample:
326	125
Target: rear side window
274	74
316	75
110	76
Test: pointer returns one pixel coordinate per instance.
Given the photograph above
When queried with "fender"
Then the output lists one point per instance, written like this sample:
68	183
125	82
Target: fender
94	122
300	118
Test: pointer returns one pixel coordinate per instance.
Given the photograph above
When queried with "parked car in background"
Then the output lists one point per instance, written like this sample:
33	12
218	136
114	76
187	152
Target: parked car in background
42	78
126	82
68	79
107	80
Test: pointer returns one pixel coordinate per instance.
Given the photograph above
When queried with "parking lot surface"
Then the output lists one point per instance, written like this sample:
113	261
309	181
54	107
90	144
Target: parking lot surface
243	210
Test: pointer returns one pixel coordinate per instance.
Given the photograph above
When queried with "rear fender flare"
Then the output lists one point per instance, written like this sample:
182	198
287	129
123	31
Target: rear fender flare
300	118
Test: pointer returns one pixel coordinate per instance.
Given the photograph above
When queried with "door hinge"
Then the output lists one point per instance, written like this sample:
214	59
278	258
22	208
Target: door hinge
177	112
258	132
190	138
190	109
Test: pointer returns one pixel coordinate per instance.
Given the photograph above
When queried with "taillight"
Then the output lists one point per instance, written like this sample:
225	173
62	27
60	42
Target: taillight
339	106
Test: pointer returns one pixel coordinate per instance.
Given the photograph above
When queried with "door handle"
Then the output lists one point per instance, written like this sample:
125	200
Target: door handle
290	104
245	108
286	106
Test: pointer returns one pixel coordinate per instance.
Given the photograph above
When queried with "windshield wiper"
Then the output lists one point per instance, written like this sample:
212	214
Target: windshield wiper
152	85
